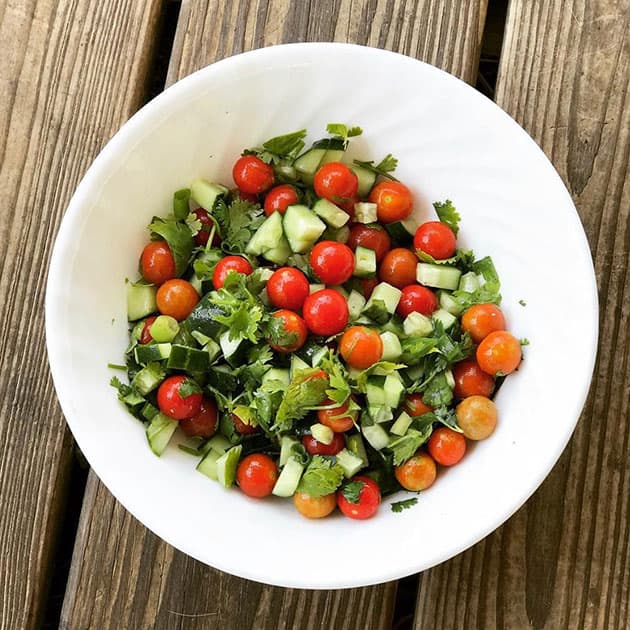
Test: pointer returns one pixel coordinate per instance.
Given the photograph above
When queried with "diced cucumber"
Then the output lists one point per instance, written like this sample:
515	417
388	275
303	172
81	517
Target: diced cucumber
438	276
200	338
391	346
267	236
318	356
229	347
313	288
364	320
140	301
350	462
188	359
205	193
302	227
208	465
364	262
332	155
340	235
289	478
297	364
159	432
382	303
411	224
356	303
394	389
444	317
213	349
376	436
148	378
402	424
217	443
307	164
417	325
380	413
449	303
469	282
164	329
279	254
374	391
322	433
415	372
196	283
277	374
366	179
365	212
152	352
227	464
222	378
450	379
332	214
354	443
398	233
286	448
285	171
340	290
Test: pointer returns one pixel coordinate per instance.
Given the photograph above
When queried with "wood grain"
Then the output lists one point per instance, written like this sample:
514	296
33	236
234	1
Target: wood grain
60	73
563	561
122	575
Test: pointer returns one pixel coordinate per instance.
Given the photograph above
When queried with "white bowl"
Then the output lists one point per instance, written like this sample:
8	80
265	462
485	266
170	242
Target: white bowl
451	143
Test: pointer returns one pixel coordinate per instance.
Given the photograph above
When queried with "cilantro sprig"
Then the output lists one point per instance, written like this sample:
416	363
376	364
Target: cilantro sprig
384	168
321	477
281	148
399	506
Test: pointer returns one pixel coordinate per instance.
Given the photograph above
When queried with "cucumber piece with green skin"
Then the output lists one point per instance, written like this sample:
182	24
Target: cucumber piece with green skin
306	165
402	424
322	433
302	227
196	283
152	352
159	432
286	448
365	212
202	319
469	282
417	325
148	378
277	374
398	233
222	378
366	179
206	193
356	303
217	443
227	464
354	443
446	318
350	462
279	254
289	478
267	236
449	303
382	303
364	262
339	235
234	350
438	276
318	356
332	155
392	350
333	215
376	436
297	364
140	301
188	359
208	465
411	224
213	349
164	329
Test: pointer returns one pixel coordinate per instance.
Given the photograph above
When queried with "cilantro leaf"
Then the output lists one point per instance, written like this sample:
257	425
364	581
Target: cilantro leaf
404	448
438	392
205	263
443	415
321	477
280	148
399	506
181	207
339	390
415	348
384	168
278	335
448	214
188	387
522	302
463	259
352	490
489	291
126	393
306	389
524	342
179	238
384	367
343	132
193	222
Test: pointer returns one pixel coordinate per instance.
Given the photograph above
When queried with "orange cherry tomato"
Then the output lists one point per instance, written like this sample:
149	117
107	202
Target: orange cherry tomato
414	405
157	262
398	267
256	475
446	446
177	298
477	417
417	473
361	347
339	419
482	319
314	507
499	353
291	332
471	380
393	200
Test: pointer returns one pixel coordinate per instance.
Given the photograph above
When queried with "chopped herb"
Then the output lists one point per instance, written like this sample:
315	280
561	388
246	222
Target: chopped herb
115	366
179	239
188	387
384	168
448	214
405	447
280	148
193	222
352	490
524	342
399	506
307	389
522	302
278	335
343	132
321	477
237	223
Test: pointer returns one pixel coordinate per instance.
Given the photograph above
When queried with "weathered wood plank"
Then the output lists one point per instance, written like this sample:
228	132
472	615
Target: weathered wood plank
564	560
61	70
122	575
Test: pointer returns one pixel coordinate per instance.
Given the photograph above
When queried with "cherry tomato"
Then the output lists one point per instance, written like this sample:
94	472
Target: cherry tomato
446	446
145	335
177	298
477	417
279	198
398	267
314	507
436	239
256	475
325	312
367	286
243	428
315	447
414	405
244	196
339	419
227	264
332	262
361	347
252	175
500	352
373	237
471	380
369	500
292	333
288	288
204	423
337	183
394	201
157	262
172	404
201	238
417	473
482	319
417	299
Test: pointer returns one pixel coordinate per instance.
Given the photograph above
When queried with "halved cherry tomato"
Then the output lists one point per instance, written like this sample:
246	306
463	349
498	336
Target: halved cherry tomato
471	380
417	473
172	404
242	427
414	405
446	446
325	312
227	264
417	299
314	507
499	353
477	417
337	183
372	236
288	288
280	198
201	238
394	201
482	319
145	335
367	286
290	334
315	447
157	262
369	500
204	423
177	298
436	239
398	267
256	475
339	419
361	347
332	262
252	175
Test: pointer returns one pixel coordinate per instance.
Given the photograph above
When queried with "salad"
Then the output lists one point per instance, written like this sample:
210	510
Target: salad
309	336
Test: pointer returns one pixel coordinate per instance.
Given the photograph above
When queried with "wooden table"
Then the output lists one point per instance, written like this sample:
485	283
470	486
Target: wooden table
72	71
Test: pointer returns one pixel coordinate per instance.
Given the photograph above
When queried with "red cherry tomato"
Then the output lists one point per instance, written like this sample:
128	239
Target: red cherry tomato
325	312
172	404
337	183
436	239
256	475
339	419
417	299
291	332
446	446
373	237
367	286
482	319
314	507
393	200
145	335
157	262
332	262
471	380
315	447
369	500
361	347
201	238
279	198
243	428
177	298
227	264
288	288
415	406
204	423
499	353
252	175
398	267
417	473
